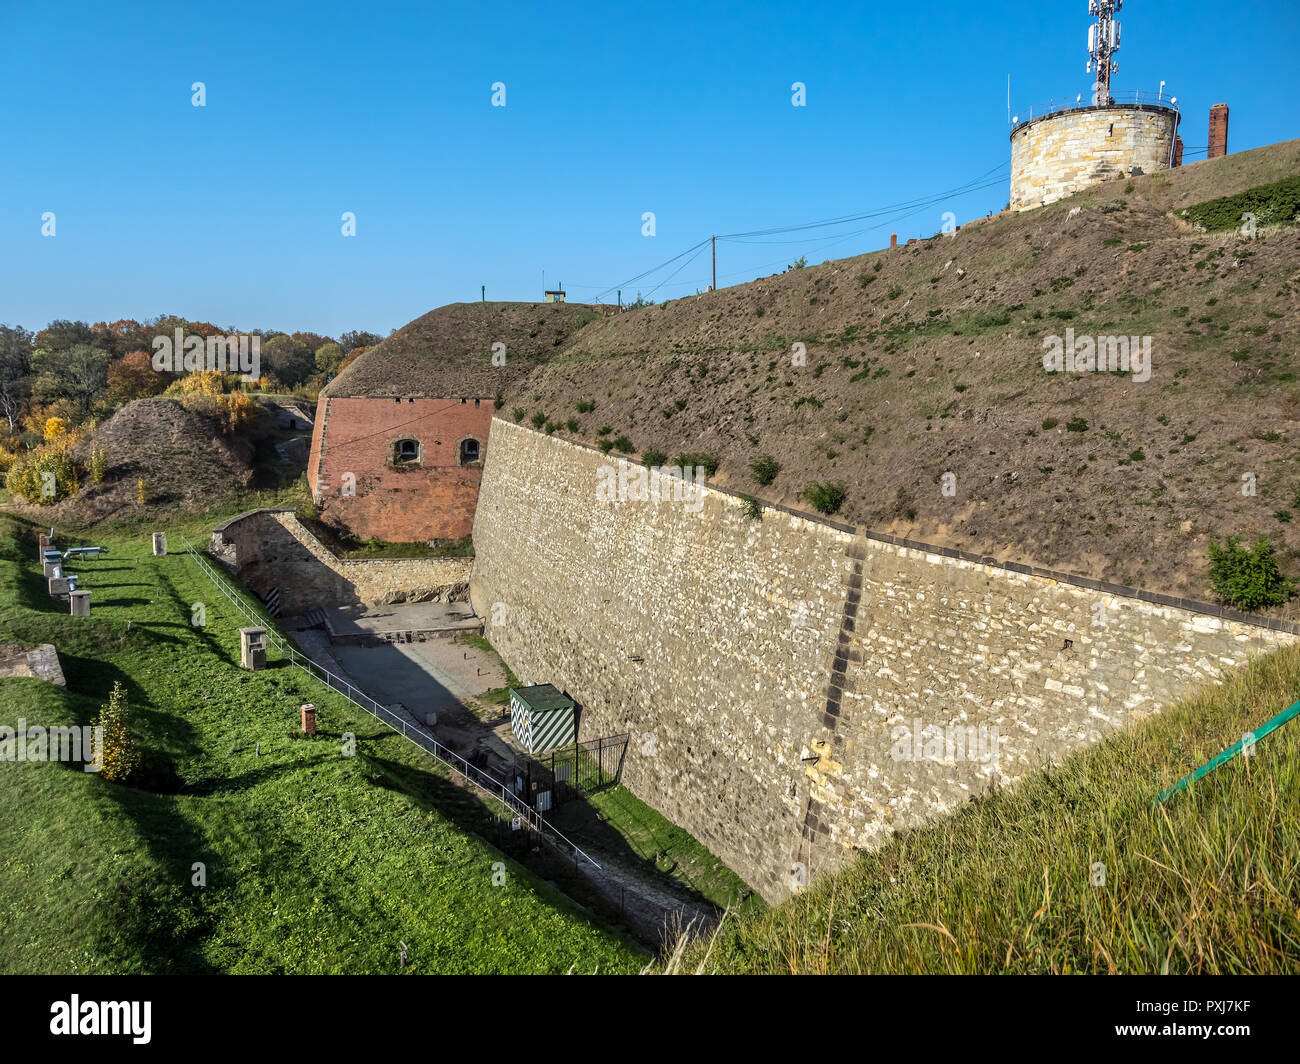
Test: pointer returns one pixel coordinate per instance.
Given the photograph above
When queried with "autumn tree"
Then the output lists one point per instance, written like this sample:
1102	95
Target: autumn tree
290	361
118	755
353	339
78	373
133	377
328	357
15	369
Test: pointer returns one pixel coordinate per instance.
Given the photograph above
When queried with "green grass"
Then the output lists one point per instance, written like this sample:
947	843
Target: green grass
1273	204
498	697
653	838
1207	883
316	861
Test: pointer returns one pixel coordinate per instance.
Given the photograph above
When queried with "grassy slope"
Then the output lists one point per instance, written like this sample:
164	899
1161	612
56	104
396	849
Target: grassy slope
927	359
1207	883
315	861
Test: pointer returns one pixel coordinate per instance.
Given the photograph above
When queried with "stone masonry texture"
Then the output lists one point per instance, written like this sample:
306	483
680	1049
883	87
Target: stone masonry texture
433	499
765	670
1063	153
272	548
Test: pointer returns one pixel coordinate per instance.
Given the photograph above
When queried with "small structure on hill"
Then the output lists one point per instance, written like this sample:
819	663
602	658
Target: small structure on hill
1072	146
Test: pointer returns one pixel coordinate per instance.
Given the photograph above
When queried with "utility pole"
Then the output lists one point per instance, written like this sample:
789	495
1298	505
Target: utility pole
1103	43
482	293
715	263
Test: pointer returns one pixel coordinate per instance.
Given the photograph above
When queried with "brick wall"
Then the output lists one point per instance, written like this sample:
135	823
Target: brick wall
1218	141
1061	154
766	669
433	499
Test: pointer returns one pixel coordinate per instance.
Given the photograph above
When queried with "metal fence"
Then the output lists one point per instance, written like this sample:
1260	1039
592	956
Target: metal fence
1076	101
583	768
483	781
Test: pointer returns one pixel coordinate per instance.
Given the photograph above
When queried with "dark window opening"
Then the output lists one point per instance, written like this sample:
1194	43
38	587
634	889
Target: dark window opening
468	451
406	451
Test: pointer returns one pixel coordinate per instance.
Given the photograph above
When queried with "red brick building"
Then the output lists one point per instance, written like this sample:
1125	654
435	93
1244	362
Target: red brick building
401	434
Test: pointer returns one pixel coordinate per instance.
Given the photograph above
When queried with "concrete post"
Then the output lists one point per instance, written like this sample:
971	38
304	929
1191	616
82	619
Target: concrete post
80	603
60	587
252	648
309	718
159	543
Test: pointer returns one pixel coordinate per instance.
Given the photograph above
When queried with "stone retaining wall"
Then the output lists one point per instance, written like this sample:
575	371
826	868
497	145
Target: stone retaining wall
272	548
773	673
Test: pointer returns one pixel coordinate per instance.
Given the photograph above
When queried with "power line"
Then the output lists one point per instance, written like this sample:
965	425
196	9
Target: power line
910	206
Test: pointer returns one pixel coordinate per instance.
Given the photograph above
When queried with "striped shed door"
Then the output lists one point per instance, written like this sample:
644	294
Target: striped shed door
551	729
521	723
541	730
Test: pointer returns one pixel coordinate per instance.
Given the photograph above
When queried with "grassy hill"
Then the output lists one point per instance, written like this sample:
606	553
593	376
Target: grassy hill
928	359
315	861
1208	882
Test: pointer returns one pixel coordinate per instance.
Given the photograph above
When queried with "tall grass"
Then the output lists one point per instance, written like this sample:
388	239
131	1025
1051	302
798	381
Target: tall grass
1206	883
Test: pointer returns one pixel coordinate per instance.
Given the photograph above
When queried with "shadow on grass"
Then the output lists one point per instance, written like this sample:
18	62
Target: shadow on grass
475	815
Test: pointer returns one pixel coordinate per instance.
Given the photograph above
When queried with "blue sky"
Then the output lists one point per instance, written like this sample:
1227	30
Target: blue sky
231	212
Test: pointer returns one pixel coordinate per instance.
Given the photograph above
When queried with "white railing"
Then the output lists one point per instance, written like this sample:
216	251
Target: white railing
473	775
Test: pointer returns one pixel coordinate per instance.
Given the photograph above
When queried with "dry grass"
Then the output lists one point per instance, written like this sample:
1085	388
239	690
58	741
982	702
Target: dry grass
1209	882
946	376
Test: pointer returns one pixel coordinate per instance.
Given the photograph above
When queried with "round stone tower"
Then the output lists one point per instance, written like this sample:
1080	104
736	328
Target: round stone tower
1058	154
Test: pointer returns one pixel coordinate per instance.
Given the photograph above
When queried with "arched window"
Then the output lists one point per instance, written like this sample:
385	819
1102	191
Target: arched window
469	451
406	451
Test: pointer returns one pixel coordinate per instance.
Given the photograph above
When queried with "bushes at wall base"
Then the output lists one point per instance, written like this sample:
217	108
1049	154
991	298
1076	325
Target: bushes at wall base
1247	579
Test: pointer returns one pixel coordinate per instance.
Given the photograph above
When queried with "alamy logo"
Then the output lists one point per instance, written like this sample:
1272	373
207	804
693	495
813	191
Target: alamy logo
103	1017
84	744
951	743
1102	354
240	354
635	483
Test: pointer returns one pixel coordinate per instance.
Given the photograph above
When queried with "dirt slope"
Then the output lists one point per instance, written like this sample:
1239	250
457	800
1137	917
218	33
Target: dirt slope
928	359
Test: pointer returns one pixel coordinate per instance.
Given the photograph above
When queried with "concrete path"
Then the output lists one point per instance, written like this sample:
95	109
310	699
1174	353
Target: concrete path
437	676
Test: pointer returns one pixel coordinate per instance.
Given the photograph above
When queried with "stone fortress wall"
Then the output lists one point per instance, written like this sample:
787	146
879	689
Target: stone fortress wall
272	548
783	680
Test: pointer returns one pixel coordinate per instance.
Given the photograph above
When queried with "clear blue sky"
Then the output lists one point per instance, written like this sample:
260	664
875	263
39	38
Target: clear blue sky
231	212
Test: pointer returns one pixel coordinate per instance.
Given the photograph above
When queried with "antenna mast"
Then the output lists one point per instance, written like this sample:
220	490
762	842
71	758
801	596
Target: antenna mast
1103	43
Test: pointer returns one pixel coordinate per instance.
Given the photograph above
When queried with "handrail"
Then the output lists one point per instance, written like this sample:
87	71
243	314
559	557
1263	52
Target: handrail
1083	101
425	741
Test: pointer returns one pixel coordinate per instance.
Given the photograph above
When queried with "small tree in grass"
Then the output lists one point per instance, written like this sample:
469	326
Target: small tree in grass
1247	579
118	750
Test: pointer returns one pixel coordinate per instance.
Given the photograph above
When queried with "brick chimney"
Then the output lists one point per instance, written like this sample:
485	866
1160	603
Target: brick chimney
1178	151
1218	131
893	240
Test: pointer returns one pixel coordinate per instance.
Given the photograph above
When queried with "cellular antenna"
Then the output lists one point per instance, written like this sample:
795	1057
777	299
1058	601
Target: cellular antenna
1103	43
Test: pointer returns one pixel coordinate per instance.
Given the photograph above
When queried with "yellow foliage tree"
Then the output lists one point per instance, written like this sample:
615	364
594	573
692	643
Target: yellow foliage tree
98	463
54	428
117	750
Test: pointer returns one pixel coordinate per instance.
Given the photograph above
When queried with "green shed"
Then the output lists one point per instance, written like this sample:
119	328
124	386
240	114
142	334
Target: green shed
542	718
